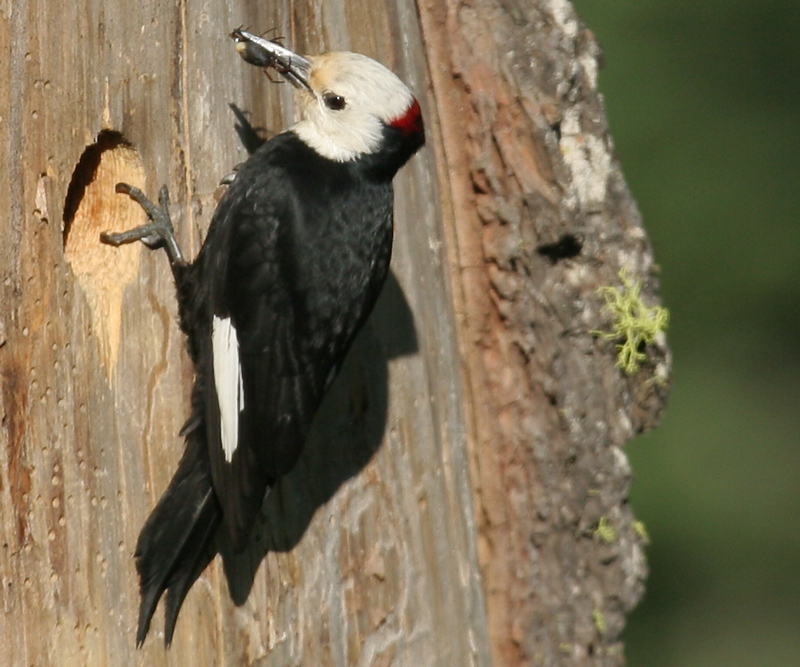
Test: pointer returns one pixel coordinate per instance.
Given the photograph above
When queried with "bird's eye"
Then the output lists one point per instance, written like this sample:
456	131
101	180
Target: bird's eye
333	102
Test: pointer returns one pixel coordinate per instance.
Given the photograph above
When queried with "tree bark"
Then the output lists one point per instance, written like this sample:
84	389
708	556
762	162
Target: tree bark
446	509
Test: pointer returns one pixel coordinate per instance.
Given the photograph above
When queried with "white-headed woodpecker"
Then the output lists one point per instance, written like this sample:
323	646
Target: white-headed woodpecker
295	257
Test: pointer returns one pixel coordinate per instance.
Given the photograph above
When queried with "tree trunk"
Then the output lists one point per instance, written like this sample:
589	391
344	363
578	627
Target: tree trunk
462	498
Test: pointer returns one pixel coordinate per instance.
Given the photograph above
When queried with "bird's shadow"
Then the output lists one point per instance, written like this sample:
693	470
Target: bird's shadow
252	138
347	430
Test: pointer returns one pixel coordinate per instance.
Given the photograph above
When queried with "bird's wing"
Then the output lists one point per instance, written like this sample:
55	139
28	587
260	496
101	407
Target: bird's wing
264	381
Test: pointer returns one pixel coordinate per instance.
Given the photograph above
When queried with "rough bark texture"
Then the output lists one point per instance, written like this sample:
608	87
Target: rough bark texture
446	508
538	218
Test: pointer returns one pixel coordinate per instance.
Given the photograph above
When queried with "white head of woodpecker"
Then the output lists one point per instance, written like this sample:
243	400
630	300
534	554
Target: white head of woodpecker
350	105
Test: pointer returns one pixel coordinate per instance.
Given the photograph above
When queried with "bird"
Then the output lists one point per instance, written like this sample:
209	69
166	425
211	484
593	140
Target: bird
295	257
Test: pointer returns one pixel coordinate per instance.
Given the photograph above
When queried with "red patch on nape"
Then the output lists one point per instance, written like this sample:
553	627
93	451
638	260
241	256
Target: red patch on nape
411	121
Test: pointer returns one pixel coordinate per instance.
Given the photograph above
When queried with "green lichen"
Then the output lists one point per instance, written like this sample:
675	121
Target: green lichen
599	621
605	531
641	530
633	322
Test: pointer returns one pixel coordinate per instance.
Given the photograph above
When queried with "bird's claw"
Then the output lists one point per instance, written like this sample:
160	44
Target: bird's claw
158	233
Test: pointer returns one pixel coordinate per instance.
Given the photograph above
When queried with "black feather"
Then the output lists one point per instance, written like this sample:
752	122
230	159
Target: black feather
295	257
176	542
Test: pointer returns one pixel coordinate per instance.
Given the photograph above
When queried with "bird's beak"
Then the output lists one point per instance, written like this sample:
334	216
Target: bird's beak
264	53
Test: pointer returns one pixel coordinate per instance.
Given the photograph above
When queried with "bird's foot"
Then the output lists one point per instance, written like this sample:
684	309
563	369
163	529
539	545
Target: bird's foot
158	234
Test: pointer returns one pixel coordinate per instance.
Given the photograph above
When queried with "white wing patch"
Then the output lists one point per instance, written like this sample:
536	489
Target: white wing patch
227	381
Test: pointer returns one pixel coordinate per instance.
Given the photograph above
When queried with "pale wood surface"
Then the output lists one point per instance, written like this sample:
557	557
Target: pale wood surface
443	512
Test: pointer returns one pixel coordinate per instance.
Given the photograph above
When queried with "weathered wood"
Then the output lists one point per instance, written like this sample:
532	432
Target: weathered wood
444	511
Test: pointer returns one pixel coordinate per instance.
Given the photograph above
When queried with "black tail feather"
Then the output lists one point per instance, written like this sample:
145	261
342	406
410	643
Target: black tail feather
198	554
176	543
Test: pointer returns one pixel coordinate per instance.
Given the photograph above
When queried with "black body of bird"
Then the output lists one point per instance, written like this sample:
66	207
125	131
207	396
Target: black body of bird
295	257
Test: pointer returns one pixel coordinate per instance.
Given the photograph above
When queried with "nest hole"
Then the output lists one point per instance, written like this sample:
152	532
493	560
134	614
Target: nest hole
87	169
